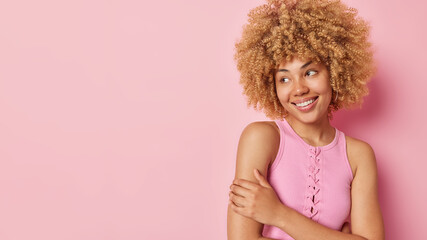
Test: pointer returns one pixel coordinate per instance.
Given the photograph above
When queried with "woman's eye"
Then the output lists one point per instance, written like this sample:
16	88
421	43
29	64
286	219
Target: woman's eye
285	80
311	72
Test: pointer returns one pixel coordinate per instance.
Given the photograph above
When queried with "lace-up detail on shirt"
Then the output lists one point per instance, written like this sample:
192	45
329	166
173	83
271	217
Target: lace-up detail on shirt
312	196
314	181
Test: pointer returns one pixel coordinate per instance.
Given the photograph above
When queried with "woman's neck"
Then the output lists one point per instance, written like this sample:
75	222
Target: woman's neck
319	133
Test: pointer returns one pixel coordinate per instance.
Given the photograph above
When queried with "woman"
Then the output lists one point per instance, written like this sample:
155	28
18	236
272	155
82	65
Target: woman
300	61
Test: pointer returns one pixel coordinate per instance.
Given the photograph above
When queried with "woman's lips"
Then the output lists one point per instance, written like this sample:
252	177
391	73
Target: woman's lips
305	104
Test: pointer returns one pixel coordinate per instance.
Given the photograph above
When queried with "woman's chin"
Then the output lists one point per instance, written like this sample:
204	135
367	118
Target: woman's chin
308	117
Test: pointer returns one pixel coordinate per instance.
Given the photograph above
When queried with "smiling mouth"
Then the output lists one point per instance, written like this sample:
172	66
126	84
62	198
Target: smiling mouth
305	103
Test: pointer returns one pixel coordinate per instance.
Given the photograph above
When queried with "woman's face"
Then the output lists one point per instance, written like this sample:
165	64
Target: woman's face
304	90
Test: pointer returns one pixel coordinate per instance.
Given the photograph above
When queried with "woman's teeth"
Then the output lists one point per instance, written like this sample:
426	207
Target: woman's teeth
304	103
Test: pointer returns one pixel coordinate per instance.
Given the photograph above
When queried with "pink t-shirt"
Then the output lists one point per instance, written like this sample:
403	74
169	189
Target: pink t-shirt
315	181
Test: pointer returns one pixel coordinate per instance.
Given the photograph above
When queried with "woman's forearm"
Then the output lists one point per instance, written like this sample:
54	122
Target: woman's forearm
300	227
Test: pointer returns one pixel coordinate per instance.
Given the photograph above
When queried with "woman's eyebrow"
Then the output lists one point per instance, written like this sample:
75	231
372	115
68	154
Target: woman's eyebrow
303	66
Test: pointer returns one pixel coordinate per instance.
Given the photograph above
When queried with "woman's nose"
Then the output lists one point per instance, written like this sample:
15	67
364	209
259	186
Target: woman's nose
300	88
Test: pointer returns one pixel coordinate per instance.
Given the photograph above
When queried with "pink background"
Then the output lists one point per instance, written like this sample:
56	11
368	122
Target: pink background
120	119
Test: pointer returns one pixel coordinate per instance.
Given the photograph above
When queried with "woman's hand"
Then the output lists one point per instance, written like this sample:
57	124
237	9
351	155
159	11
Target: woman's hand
258	201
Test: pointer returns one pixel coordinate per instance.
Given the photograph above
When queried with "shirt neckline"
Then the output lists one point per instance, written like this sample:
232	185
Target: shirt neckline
324	147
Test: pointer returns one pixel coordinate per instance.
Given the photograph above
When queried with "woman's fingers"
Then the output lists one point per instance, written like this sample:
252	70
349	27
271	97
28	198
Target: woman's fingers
245	183
261	179
236	199
239	190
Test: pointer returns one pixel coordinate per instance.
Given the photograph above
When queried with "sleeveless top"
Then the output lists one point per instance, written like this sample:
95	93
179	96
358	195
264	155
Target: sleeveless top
315	181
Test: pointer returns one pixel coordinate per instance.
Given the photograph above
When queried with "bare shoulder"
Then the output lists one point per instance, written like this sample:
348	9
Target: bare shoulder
262	130
258	146
263	135
356	147
255	150
359	153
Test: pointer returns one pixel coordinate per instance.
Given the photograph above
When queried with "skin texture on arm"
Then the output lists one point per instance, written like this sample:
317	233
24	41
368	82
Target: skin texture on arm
366	216
258	146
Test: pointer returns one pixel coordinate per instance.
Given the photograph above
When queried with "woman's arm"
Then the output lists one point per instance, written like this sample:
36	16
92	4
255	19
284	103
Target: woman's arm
258	201
365	212
366	217
257	148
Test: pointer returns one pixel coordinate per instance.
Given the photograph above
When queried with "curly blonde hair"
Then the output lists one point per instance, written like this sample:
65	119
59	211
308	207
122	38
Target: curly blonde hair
325	31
